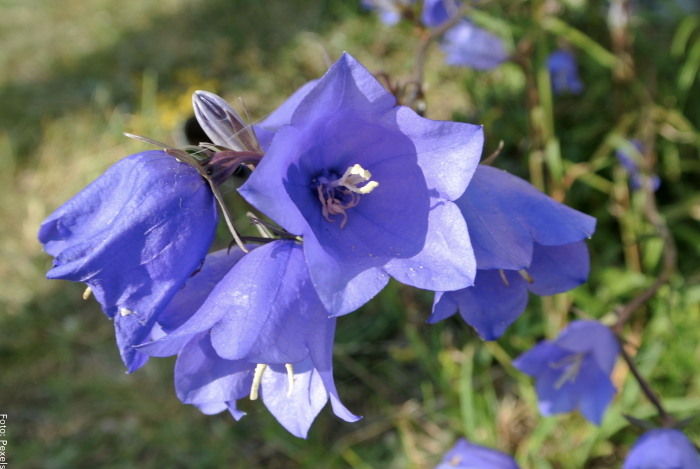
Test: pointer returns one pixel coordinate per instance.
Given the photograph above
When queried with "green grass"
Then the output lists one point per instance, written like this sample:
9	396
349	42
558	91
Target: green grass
74	76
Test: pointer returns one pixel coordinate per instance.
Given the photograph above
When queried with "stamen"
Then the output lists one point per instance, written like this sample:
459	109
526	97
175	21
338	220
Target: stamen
87	293
257	377
526	276
573	364
456	459
125	312
290	378
503	277
347	185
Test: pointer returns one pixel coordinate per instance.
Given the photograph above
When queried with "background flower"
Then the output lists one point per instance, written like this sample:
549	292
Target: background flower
466	455
573	371
662	448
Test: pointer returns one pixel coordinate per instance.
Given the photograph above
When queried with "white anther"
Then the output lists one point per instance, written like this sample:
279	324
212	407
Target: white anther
355	175
526	276
503	277
573	364
87	293
125	312
257	377
290	378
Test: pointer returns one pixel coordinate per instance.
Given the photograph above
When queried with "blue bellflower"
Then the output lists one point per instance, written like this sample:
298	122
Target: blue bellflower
563	71
628	158
369	185
134	236
523	241
258	329
436	12
574	370
662	448
466	455
467	45
390	11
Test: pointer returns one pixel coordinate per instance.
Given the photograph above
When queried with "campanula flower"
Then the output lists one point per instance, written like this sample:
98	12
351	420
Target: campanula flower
134	236
629	159
222	124
466	455
390	11
369	185
523	241
467	45
436	12
563	71
662	448
260	329
574	370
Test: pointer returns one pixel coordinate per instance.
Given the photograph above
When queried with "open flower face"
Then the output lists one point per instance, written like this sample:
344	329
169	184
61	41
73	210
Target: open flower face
369	185
135	236
574	370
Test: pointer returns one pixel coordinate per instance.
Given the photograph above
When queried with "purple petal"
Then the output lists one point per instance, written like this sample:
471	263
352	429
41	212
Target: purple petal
267	299
297	412
557	269
435	12
502	211
537	360
446	262
490	306
596	392
266	129
564	72
135	236
202	377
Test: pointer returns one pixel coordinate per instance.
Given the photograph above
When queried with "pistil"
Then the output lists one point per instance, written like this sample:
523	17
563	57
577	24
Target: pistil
347	185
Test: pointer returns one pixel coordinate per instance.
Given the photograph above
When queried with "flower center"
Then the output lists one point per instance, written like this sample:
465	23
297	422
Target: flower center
572	363
257	378
334	194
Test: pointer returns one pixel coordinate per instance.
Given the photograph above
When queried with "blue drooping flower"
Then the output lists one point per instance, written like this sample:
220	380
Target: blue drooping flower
436	12
390	11
574	370
256	328
134	236
662	448
466	455
628	158
369	185
523	241
563	72
467	45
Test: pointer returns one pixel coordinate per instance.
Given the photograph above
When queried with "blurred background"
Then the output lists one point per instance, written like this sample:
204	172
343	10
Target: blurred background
76	74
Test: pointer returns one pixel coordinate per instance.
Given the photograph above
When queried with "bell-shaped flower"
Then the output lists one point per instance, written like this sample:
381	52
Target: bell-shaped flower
436	12
662	448
629	157
466	455
390	11
467	45
563	72
261	330
134	236
369	185
523	241
574	370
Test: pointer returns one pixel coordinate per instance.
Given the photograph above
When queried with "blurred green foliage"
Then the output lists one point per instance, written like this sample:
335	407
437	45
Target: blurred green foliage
78	73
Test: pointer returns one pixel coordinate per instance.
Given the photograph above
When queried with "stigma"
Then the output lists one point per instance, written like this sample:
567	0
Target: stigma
334	194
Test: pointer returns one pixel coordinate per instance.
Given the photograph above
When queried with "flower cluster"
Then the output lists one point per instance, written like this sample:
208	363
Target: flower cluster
360	190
